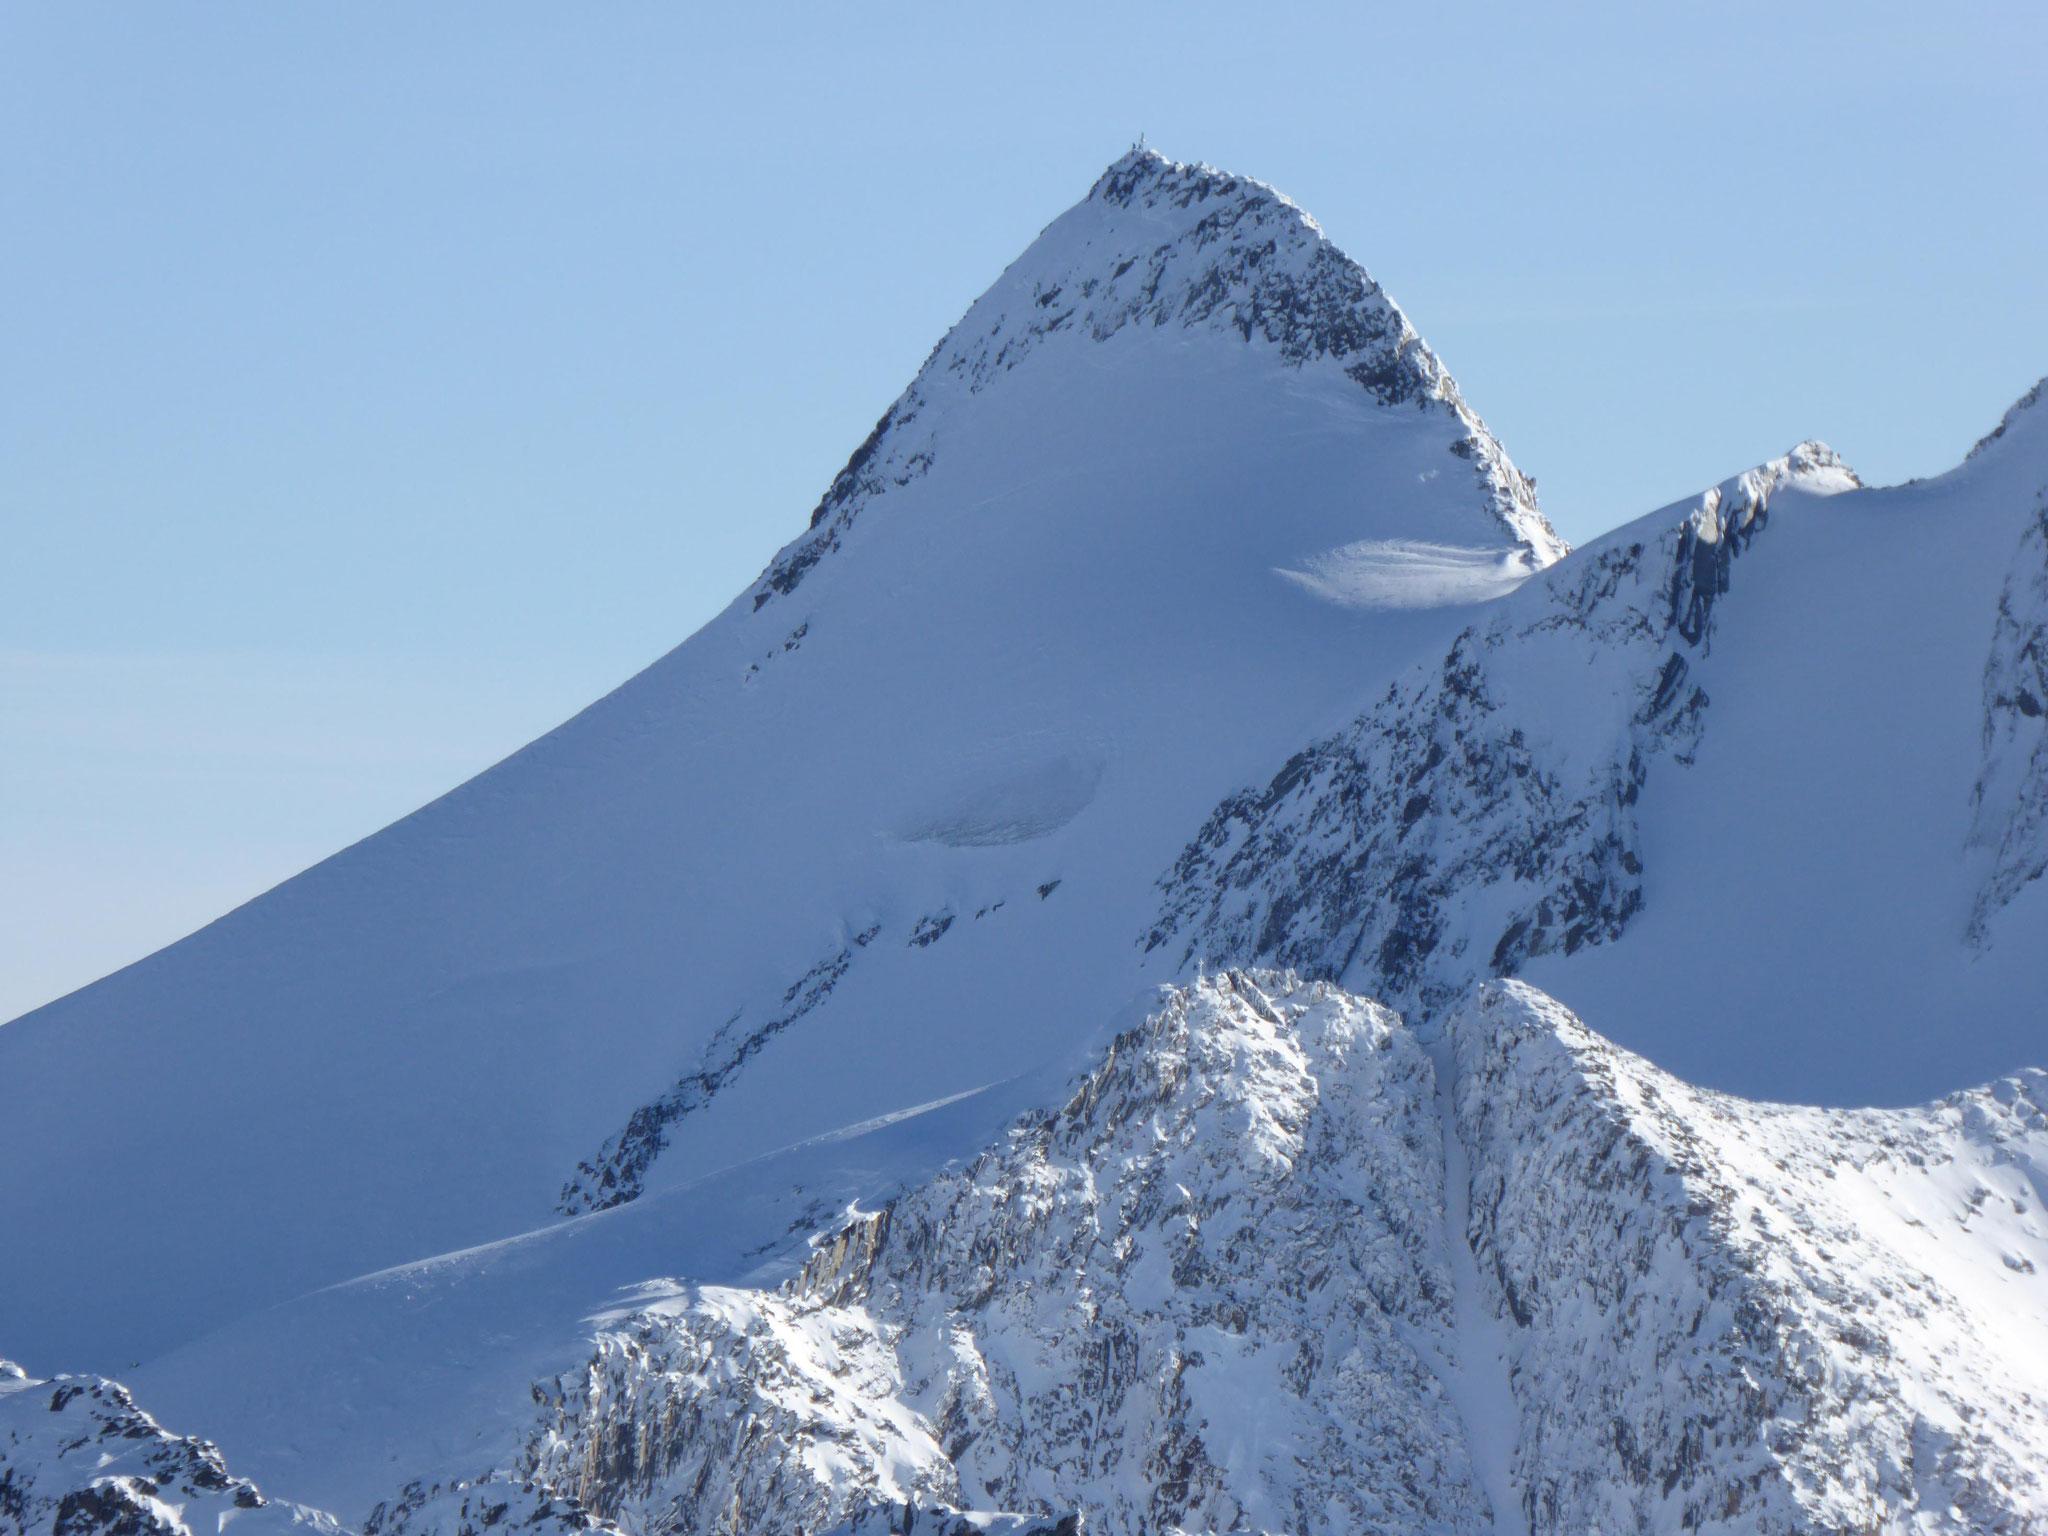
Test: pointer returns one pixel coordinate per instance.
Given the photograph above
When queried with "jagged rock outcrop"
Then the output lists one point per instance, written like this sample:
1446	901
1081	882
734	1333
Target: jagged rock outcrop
724	1410
1482	812
1242	1203
1749	1317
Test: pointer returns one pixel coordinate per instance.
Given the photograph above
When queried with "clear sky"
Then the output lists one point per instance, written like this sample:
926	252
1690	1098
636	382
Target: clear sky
379	383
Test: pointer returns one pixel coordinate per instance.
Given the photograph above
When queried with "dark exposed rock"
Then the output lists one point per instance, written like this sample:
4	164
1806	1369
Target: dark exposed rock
617	1174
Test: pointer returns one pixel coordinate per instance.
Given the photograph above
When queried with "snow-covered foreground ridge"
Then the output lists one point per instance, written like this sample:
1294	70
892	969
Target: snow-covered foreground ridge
1215	1289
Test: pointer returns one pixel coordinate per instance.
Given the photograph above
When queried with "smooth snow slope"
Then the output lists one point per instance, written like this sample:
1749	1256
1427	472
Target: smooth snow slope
811	866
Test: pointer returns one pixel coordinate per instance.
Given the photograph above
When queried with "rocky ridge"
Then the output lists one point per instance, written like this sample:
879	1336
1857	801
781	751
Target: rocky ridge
1225	1285
1481	813
1215	1291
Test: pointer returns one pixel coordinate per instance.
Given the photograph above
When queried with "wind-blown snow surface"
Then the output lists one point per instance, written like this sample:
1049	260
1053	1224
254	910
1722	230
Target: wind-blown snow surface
807	869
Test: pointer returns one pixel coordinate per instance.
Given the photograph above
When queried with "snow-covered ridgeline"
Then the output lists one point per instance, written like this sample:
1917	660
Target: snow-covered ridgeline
1215	1290
1482	813
1756	1317
1162	244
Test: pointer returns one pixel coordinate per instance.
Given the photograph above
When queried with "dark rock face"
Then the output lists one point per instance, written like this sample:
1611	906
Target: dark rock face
1442	836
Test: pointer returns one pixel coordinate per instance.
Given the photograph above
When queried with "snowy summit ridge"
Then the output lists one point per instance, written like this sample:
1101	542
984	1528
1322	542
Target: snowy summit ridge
1163	244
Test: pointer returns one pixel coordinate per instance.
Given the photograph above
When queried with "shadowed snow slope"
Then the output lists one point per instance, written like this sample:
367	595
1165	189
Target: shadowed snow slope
810	867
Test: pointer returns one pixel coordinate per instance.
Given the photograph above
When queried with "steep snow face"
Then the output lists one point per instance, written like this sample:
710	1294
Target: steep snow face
1812	880
806	870
1752	782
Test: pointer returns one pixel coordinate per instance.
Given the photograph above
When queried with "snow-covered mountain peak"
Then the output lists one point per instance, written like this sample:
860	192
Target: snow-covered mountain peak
1162	246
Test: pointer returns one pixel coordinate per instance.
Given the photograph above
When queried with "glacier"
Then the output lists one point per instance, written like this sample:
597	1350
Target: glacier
1116	988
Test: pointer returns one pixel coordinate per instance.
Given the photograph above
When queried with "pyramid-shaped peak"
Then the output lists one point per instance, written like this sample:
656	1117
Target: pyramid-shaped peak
1160	247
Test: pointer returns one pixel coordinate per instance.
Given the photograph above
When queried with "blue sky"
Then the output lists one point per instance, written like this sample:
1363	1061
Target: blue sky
380	383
